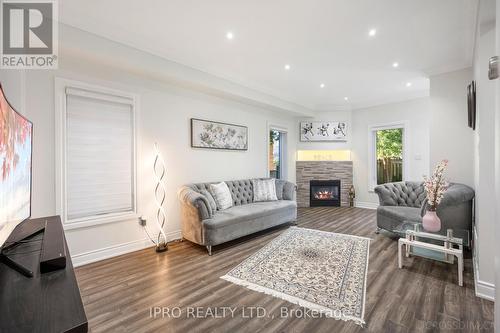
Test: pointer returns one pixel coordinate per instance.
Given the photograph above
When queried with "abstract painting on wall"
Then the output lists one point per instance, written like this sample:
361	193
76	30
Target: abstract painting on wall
311	131
216	135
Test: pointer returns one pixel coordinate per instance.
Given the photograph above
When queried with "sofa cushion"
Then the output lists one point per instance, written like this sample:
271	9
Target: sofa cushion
240	214
400	213
221	195
264	190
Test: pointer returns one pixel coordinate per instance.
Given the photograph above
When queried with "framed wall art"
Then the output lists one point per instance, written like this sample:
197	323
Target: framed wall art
313	131
216	135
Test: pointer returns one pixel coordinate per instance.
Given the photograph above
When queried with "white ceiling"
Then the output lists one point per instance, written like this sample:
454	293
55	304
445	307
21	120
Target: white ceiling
324	41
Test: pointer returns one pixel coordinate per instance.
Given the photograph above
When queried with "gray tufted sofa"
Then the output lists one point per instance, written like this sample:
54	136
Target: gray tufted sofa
406	201
206	226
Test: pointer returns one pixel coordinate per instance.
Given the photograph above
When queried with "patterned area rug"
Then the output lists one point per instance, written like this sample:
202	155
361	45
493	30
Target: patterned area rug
319	270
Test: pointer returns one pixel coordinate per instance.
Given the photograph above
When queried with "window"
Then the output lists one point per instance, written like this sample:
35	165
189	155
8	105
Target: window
97	151
276	157
389	151
387	154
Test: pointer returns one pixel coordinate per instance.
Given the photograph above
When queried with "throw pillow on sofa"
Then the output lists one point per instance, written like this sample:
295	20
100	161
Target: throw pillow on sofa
264	190
222	195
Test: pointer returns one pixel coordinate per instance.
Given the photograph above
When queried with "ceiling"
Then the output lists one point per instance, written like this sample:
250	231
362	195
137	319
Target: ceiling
323	41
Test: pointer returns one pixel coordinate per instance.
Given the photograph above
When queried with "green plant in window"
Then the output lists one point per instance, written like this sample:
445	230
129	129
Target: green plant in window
389	150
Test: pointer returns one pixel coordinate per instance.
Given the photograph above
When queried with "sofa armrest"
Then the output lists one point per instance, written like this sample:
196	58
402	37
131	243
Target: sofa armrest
455	195
289	191
190	197
385	195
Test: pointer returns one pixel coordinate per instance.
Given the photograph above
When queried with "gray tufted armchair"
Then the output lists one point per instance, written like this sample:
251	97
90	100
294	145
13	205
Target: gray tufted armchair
204	224
406	201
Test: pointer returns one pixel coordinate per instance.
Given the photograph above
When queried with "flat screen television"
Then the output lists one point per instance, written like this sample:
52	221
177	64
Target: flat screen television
16	135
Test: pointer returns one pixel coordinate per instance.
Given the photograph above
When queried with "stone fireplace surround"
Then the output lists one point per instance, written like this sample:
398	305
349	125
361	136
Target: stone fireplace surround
323	170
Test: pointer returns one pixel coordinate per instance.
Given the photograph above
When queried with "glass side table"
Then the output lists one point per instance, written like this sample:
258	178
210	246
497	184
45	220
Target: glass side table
443	245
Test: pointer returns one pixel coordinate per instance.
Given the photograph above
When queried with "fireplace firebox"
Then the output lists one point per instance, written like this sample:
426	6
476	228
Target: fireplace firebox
325	193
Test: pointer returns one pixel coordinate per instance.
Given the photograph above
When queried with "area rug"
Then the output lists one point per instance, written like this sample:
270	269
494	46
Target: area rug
322	271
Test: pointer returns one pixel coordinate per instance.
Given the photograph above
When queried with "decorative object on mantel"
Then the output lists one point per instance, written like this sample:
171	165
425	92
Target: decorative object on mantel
352	195
435	187
318	270
159	171
216	135
311	131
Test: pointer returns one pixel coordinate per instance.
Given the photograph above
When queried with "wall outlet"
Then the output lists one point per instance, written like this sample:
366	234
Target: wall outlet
142	221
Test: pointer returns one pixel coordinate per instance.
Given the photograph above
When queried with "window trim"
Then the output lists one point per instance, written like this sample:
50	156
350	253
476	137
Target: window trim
284	155
61	85
372	129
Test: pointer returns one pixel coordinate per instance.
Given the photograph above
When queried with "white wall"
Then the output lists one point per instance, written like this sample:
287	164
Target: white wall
416	114
12	82
450	138
497	182
329	116
164	116
484	160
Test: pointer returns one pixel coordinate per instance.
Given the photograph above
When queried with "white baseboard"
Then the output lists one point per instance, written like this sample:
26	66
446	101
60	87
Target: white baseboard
116	250
365	204
483	289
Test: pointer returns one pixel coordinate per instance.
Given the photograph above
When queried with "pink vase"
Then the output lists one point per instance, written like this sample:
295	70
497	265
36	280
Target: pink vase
431	221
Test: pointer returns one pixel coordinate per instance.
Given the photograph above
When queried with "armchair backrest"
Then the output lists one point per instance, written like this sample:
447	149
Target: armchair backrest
410	194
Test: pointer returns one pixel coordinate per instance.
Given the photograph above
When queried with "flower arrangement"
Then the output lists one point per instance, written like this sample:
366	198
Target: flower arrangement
436	185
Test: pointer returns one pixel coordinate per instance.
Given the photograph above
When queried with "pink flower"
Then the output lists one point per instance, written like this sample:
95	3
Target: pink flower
436	185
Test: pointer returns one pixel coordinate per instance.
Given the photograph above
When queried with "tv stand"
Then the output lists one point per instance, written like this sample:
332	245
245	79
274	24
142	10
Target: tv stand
49	301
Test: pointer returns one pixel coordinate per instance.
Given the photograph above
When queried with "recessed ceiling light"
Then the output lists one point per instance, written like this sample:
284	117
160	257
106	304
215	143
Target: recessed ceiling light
287	67
408	84
346	98
229	35
395	64
372	32
322	85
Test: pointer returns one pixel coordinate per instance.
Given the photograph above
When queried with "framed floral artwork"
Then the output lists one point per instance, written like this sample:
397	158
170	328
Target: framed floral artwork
217	135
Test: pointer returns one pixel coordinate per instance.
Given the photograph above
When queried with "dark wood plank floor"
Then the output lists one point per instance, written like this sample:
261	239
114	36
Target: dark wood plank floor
118	293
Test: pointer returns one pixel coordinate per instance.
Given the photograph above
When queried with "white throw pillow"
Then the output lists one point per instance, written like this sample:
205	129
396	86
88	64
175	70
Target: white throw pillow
264	190
222	195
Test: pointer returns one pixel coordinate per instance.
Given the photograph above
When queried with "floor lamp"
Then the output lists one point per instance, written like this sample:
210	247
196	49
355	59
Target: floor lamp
160	194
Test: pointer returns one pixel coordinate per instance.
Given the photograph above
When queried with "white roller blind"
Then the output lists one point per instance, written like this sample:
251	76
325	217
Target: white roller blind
99	154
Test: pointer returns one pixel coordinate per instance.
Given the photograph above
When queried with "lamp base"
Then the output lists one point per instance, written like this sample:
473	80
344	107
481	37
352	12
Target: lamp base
162	247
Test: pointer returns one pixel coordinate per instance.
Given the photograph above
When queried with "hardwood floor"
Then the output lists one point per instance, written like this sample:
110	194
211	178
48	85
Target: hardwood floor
120	293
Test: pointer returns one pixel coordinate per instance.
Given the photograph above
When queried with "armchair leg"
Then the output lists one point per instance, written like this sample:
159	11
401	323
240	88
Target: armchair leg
209	249
377	231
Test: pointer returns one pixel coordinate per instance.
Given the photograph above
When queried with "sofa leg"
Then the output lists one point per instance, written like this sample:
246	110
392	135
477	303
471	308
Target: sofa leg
377	231
209	249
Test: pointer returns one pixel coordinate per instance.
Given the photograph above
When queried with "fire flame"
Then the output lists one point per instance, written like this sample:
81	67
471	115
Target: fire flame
323	195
